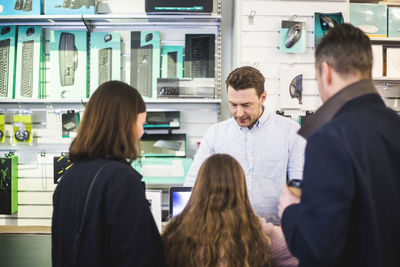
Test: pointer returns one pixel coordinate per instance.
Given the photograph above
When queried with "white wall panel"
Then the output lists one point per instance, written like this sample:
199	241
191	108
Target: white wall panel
31	211
32	198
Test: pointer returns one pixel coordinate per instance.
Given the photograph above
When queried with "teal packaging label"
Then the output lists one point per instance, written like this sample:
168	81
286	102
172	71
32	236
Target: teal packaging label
27	80
23	7
172	62
394	21
70	7
370	18
8	52
105	58
68	60
293	37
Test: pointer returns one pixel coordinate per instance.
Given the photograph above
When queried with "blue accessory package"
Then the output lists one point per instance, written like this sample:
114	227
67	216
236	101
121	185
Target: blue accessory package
293	36
70	7
23	7
7	63
370	18
172	62
393	22
324	22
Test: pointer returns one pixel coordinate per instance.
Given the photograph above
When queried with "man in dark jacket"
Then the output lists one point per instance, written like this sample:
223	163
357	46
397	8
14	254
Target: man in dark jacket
349	211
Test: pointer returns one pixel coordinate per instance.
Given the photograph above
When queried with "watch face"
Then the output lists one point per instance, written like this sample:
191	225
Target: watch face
22	135
294	183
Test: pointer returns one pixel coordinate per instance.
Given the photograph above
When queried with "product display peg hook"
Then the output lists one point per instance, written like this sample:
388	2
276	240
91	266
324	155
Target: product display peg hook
293	17
251	16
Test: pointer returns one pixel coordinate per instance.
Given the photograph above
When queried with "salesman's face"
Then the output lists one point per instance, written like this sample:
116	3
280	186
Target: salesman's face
245	106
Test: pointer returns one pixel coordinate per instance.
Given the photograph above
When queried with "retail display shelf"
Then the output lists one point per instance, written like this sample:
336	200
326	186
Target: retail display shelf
388	79
385	39
83	101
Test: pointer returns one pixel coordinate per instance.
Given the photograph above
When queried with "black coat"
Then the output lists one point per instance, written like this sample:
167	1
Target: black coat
349	213
119	230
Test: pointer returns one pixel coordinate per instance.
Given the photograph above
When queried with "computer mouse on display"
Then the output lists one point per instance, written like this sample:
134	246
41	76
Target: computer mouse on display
293	35
30	31
327	23
5	30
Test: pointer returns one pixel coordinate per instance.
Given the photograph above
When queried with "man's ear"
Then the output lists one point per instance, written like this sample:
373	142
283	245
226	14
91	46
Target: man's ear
263	97
326	74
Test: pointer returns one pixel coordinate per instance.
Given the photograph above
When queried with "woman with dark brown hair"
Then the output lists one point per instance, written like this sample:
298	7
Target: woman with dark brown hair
218	226
100	215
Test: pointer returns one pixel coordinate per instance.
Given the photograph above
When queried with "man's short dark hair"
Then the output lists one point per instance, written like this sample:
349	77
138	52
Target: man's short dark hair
246	77
347	50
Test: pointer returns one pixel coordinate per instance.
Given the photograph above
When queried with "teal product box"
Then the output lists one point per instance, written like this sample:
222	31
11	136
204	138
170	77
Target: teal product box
105	58
370	18
29	51
293	37
172	62
145	62
8	184
394	21
23	7
68	59
7	60
3	7
70	7
325	21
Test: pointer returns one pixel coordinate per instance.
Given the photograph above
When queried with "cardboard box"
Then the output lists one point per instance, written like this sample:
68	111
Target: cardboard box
145	62
105	58
70	7
7	62
23	7
172	62
68	60
393	62
370	18
377	66
29	60
394	21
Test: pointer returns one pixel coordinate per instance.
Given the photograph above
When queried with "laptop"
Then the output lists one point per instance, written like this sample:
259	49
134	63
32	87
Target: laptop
178	198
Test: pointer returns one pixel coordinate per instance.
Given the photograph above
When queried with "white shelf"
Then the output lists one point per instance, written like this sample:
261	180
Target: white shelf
385	39
386	79
83	101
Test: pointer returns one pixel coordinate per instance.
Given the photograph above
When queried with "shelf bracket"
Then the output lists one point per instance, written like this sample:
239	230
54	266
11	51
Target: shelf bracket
89	26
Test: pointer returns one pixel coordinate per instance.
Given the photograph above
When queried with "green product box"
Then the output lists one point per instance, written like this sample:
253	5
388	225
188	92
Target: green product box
7	48
370	18
105	58
172	62
394	21
68	59
9	185
29	61
145	62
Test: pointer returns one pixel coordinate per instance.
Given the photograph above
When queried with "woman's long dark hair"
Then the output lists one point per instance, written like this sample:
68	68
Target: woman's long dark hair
218	227
108	125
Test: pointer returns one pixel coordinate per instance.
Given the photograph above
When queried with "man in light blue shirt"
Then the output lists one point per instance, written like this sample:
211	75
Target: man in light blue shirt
266	145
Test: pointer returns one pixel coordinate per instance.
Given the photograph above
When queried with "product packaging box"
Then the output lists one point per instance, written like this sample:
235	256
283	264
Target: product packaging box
145	62
199	56
22	127
105	58
394	21
70	7
172	62
23	7
7	60
291	89
3	8
370	18
2	127
293	36
9	184
68	60
377	66
323	22
393	62
29	60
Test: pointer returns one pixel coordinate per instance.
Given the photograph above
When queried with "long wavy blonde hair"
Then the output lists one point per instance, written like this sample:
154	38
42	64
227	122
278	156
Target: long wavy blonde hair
218	226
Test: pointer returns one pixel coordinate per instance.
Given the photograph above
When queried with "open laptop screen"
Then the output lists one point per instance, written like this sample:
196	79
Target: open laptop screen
178	198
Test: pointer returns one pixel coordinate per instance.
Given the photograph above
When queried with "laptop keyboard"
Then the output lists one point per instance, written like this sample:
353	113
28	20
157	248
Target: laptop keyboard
105	70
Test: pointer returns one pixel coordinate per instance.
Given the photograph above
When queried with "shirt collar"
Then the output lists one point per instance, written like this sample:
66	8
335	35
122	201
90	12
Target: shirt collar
328	110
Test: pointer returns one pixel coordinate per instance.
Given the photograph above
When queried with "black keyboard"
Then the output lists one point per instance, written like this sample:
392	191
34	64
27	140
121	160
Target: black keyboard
105	62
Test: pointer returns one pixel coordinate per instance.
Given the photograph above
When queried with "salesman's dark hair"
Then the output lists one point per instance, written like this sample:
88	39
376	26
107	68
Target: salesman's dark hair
108	125
246	77
347	50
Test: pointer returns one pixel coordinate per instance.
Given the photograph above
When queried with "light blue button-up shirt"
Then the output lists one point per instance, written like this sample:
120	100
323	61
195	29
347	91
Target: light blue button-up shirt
269	152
